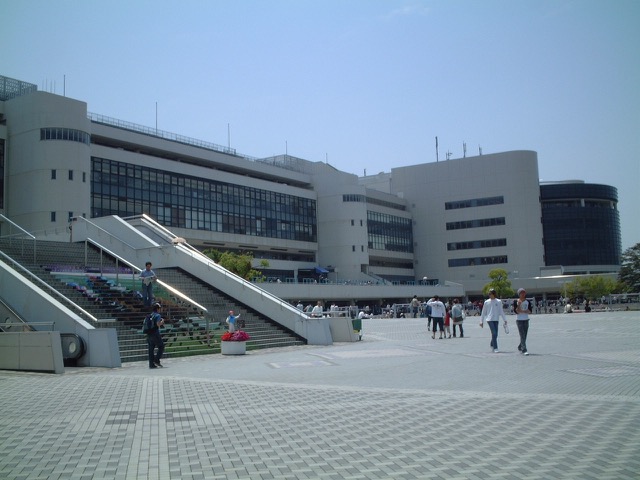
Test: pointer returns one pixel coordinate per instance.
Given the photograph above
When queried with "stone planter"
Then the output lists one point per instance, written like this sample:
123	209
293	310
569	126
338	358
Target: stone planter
233	348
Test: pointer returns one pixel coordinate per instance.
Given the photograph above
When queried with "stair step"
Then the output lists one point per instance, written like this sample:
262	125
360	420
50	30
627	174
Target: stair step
54	259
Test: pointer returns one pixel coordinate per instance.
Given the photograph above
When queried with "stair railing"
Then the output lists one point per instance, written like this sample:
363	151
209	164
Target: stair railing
45	286
137	269
190	250
20	235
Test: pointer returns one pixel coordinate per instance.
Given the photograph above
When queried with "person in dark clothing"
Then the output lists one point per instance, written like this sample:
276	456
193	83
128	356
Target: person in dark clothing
154	339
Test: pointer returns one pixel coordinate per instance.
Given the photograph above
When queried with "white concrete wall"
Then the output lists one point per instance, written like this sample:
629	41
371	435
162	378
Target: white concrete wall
29	186
31	351
513	175
36	305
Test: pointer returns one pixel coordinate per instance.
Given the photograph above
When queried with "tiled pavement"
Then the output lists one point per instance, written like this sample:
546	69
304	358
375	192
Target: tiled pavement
397	405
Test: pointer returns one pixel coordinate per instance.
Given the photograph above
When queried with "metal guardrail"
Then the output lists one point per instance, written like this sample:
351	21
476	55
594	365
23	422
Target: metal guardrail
134	268
25	326
22	233
199	256
44	285
154	132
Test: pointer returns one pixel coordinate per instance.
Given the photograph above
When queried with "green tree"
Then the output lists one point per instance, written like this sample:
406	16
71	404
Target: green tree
592	287
213	254
238	263
630	269
500	282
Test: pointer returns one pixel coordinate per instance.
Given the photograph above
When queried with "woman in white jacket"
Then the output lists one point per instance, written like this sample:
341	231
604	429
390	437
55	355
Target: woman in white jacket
492	311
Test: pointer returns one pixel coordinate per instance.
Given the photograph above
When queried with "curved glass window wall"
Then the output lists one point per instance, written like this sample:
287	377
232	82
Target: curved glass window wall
69	134
581	224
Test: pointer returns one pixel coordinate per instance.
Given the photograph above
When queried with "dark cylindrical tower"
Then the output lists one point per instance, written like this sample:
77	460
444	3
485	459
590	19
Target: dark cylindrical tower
581	224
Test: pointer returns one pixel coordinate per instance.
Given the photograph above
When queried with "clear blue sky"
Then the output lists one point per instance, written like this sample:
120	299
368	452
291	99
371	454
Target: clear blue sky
362	84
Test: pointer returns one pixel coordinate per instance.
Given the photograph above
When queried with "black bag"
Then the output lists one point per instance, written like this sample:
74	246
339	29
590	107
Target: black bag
148	324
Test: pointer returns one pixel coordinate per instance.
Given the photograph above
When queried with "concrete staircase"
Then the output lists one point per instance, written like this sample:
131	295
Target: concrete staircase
263	332
63	267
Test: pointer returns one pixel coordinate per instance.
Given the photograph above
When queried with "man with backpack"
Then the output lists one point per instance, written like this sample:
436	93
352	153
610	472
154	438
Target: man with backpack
151	328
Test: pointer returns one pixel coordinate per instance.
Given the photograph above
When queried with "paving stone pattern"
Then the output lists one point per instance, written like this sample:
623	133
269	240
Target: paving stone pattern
397	405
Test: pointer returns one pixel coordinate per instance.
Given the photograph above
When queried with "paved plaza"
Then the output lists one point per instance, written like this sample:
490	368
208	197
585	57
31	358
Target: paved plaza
397	405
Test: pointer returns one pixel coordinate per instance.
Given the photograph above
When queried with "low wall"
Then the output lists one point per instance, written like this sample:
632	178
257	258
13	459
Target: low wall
32	351
35	305
342	329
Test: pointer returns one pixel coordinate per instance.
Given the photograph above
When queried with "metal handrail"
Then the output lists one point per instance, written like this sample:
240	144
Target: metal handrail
41	283
197	254
154	132
103	230
134	268
32	237
22	324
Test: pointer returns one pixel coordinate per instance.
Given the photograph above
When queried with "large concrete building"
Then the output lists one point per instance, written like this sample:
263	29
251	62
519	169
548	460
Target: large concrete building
446	223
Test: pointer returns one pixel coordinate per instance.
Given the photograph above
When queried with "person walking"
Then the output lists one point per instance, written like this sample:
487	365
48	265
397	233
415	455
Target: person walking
438	312
317	310
415	304
231	321
492	311
154	339
447	320
523	308
457	316
148	278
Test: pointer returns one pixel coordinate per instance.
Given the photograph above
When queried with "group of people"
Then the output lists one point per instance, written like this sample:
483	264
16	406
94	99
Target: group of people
442	316
493	311
154	338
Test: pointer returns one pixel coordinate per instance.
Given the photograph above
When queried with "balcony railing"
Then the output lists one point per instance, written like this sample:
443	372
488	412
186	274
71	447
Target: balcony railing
154	132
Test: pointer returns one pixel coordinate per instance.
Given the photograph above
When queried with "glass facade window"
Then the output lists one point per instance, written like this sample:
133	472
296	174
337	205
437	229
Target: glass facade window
353	198
496	242
474	261
69	134
474	202
581	224
390	262
478	223
347	197
389	232
182	201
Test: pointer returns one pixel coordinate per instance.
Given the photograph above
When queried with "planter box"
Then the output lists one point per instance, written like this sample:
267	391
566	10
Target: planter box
233	348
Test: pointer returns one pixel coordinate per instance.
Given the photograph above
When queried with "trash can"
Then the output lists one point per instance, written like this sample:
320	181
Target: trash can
357	326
